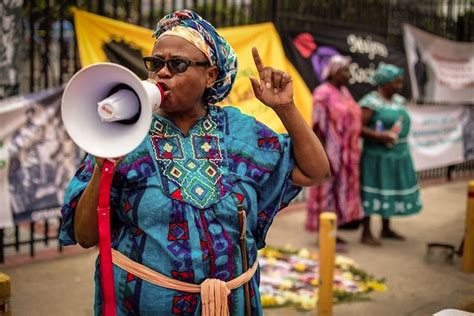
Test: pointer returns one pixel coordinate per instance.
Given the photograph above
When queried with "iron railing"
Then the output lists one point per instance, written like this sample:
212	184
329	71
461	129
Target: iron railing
50	54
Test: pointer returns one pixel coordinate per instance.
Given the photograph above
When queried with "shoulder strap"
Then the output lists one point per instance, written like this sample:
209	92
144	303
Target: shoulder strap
105	255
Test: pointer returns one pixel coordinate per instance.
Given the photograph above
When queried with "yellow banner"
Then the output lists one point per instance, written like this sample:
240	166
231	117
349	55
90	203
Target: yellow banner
94	32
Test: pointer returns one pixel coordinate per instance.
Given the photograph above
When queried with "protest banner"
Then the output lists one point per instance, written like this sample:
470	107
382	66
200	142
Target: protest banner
37	158
310	52
441	70
437	135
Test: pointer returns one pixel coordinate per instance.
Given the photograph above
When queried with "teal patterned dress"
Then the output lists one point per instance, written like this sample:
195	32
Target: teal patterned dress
175	199
389	184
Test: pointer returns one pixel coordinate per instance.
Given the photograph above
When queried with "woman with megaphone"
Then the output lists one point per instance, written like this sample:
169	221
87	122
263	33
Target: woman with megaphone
192	204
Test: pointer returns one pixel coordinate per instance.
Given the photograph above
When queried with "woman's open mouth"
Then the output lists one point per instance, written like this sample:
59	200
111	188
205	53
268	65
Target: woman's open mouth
166	89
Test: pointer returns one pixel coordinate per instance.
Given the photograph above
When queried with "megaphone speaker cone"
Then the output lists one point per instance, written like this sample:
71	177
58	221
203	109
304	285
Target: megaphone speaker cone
93	85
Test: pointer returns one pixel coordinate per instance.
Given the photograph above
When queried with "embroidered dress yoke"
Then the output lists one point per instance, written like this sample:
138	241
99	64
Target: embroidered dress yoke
388	177
175	201
337	121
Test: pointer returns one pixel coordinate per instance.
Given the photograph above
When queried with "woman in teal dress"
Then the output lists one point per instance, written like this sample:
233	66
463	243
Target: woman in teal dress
389	185
176	199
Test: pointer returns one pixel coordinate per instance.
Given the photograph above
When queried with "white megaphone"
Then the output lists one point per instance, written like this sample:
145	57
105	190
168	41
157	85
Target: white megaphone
107	110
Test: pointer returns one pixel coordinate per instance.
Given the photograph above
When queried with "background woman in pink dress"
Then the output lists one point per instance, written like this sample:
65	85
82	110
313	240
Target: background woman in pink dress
337	122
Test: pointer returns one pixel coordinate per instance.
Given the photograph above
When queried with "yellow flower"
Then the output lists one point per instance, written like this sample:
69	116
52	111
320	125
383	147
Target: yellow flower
271	261
268	300
345	262
363	287
304	253
271	253
308	302
280	300
300	267
376	286
347	276
285	284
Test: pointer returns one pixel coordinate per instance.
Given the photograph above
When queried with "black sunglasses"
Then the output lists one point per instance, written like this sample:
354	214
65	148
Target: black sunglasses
175	65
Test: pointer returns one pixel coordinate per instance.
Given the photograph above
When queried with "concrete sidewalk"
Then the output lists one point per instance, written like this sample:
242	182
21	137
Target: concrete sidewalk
64	286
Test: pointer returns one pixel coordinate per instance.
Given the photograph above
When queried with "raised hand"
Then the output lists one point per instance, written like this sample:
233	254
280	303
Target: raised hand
274	87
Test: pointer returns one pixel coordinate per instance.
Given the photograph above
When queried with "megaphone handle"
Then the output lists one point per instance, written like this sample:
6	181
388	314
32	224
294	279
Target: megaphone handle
105	256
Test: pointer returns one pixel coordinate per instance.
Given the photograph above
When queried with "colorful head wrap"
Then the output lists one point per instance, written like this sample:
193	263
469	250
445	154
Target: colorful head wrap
385	73
205	37
334	64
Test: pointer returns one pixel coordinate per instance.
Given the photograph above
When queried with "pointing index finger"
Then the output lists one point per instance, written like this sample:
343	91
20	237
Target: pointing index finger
257	59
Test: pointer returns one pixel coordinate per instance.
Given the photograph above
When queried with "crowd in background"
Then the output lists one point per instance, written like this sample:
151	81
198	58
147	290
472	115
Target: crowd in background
366	144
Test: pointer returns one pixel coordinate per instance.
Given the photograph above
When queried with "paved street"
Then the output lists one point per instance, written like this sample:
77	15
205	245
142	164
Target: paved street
63	285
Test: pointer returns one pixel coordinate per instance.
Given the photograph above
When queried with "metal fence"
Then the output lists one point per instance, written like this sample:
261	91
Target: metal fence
49	49
448	18
49	53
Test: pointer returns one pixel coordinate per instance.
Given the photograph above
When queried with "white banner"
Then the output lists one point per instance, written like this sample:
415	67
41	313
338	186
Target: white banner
440	70
436	136
37	158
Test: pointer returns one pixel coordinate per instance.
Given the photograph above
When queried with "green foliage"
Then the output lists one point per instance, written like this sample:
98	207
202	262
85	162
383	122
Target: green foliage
364	276
340	296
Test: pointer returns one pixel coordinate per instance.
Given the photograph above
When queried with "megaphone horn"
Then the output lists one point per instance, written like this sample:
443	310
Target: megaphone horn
107	110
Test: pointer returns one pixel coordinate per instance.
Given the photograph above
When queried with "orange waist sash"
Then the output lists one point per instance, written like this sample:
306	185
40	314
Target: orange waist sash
214	292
